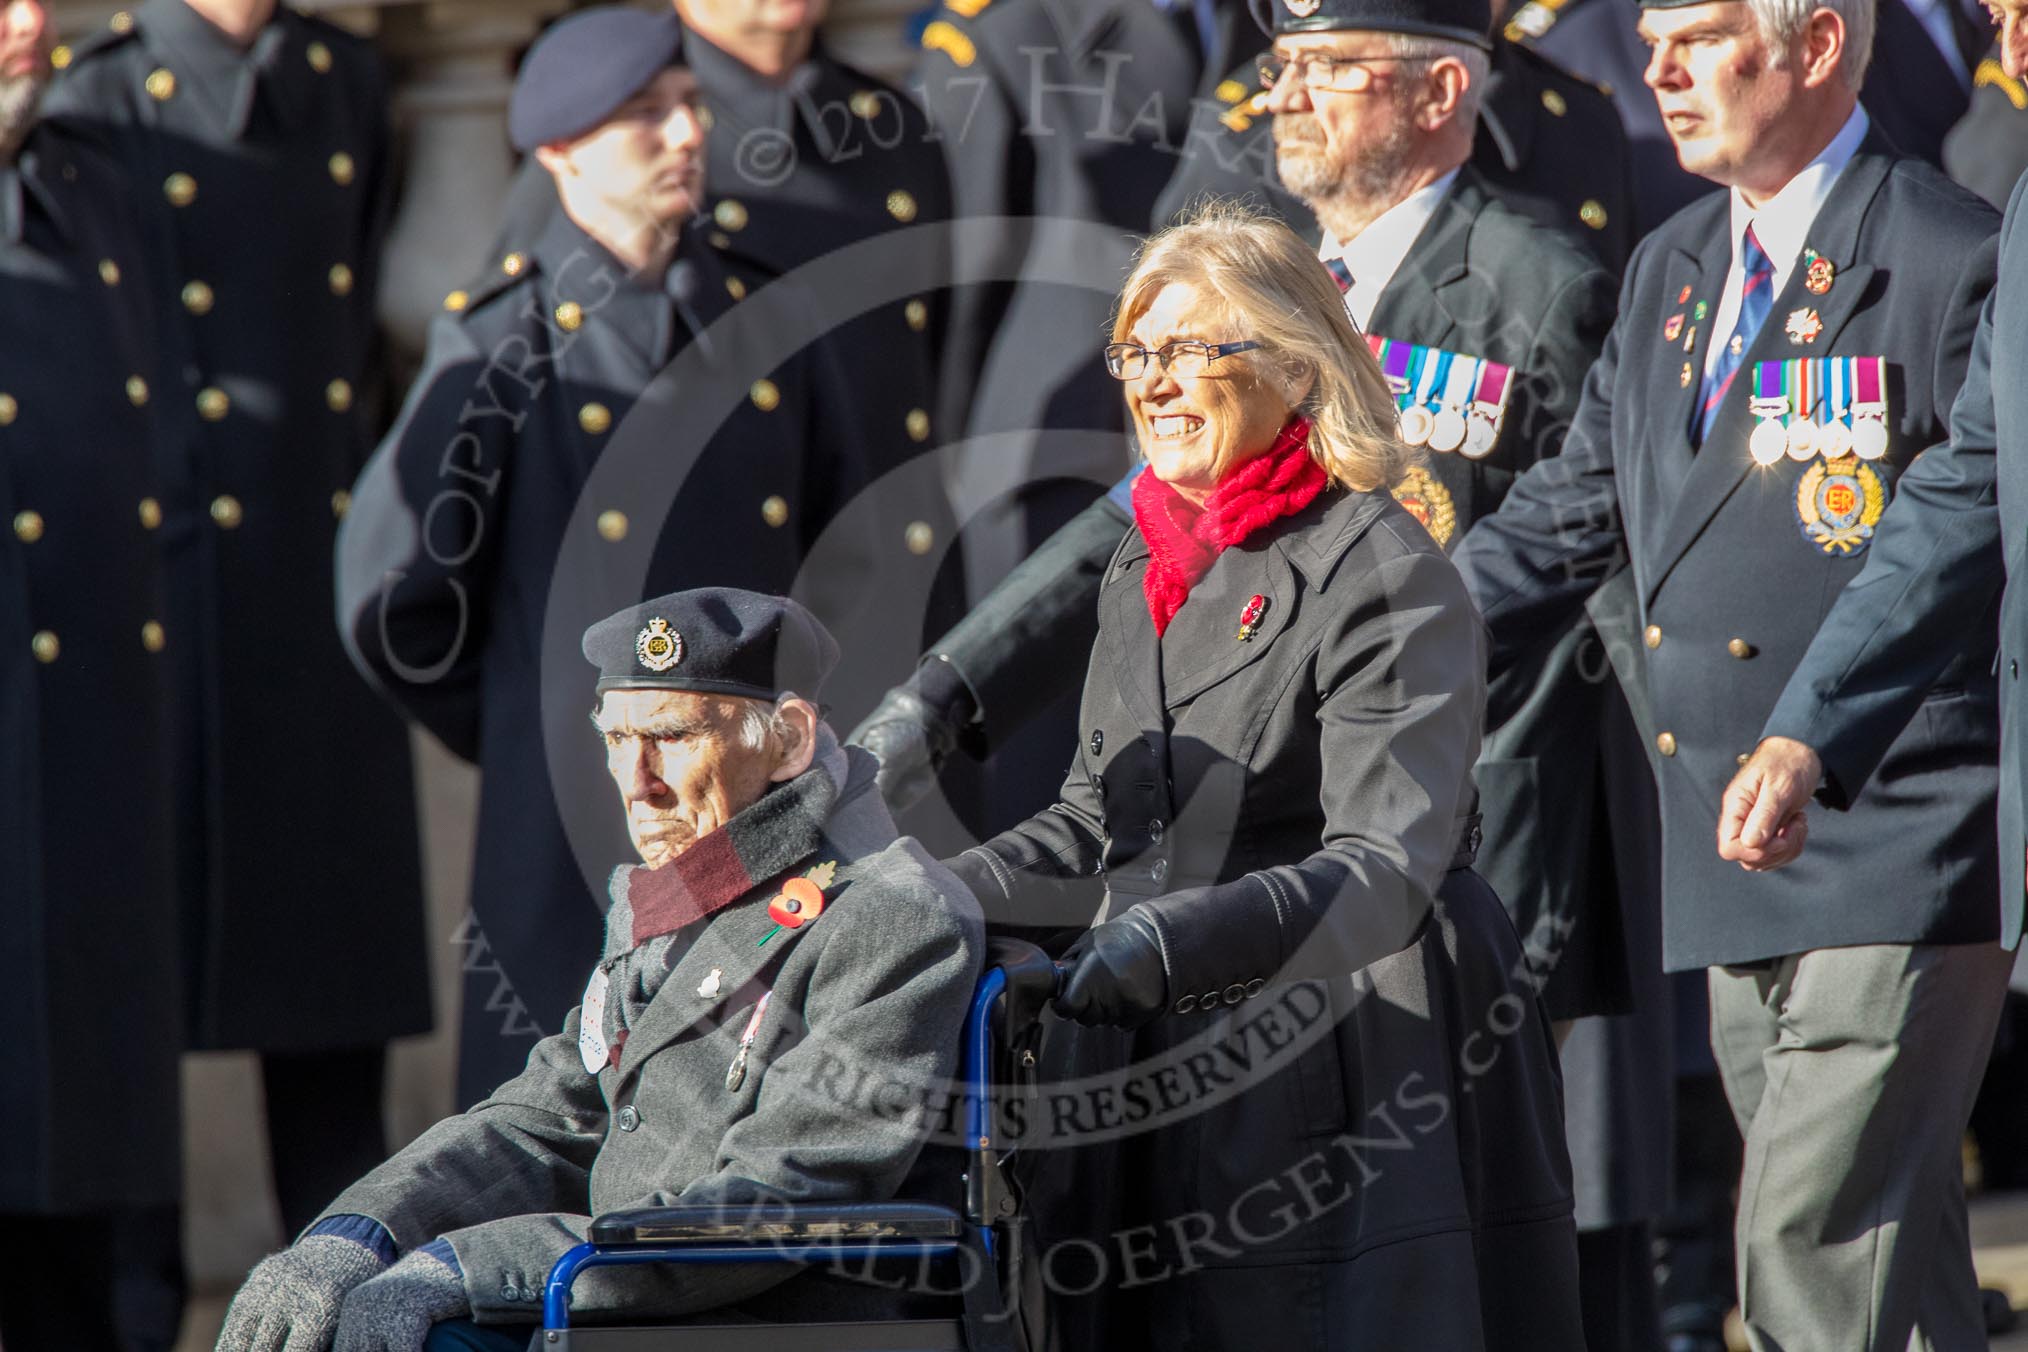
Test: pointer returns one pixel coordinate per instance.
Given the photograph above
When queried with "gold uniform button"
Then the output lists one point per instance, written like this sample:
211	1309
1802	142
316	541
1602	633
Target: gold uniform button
735	288
198	298
730	215
10	409
917	315
1666	743
612	526
918	425
109	272
514	264
1553	101
866	104
457	301
338	394
151	513
775	511
226	511
341	503
152	637
59	57
595	418
122	22
1592	214
340	278
705	117
137	391
766	398
919	538
28	527
213	403
570	316
1652	636
319	57
45	646
719	239
1742	758
180	189
160	84
342	169
1740	648
901	206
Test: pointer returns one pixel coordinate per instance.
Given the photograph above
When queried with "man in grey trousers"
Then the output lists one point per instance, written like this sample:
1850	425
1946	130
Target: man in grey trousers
780	972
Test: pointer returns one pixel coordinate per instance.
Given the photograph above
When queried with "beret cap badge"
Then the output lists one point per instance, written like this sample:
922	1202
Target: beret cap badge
1302	9
658	648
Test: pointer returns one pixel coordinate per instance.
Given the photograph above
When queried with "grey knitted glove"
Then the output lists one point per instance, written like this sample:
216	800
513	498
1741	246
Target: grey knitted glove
290	1301
394	1311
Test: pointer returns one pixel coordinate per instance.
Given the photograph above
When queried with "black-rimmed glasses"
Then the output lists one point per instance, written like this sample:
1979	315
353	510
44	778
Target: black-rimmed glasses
1183	358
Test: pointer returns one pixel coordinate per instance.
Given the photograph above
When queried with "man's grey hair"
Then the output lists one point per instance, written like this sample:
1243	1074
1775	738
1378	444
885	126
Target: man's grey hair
759	721
1478	66
1782	21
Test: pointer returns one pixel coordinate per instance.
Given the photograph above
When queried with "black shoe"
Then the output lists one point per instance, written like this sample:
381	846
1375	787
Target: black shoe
2000	1316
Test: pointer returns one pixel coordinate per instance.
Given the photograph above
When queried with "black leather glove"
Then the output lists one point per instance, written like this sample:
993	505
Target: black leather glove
911	739
1117	978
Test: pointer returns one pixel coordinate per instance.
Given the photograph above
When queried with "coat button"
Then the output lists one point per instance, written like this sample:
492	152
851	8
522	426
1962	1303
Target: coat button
1742	758
1592	214
341	503
1160	872
1208	1001
918	425
1554	102
595	418
151	513
1666	743
213	403
9	409
319	57
342	169
160	84
1255	986
152	637
628	1118
28	527
919	538
612	525
775	510
109	272
1098	741
1740	648
1186	1004
180	189
1652	636
44	646
514	264
226	511
917	315
340	278
1155	830
1235	992
338	395
730	214
570	316
510	1292
198	298
735	288
766	396
901	206
137	391
457	300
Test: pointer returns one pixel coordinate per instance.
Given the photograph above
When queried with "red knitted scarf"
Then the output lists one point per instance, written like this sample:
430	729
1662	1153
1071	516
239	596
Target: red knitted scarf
1183	541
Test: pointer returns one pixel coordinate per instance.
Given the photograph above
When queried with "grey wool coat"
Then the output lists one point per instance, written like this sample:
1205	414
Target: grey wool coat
867	1003
1347	1132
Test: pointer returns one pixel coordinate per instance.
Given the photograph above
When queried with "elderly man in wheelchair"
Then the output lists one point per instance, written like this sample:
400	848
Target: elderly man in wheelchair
777	1006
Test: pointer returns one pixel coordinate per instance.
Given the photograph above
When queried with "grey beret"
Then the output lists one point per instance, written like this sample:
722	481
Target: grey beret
586	65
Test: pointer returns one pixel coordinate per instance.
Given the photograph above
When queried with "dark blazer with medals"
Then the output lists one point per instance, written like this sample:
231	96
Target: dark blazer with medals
264	179
571	447
89	994
1289	806
1549	146
1953	535
1731	584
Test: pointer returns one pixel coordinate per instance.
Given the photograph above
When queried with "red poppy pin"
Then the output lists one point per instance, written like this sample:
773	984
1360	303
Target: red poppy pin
800	901
1249	618
1818	272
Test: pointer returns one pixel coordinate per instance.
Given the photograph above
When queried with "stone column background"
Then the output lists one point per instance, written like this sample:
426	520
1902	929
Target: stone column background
453	62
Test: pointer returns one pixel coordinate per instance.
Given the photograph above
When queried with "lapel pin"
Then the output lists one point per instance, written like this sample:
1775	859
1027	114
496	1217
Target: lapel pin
800	901
1690	339
1700	311
1683	378
1804	325
1249	618
1684	294
1673	329
735	1074
1818	272
709	986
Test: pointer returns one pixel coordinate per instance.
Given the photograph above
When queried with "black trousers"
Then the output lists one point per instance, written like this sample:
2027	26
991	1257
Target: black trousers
56	1283
324	1131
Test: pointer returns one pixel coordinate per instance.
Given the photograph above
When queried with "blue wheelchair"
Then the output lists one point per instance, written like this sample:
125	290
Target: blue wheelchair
978	1235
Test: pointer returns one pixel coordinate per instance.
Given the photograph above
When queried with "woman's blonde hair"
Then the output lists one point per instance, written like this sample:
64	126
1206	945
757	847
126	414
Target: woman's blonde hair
1275	291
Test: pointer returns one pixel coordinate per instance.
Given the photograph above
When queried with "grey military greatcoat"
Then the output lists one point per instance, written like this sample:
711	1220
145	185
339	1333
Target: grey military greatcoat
848	1071
1290	807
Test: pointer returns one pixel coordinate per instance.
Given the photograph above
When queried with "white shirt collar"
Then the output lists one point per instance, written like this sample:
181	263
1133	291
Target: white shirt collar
1782	223
1375	254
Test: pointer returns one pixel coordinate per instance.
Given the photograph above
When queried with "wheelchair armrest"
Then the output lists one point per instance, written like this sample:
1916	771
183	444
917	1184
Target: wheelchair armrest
817	1223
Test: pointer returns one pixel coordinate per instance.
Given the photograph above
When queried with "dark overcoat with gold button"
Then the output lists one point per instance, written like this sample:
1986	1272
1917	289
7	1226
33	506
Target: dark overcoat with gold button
263	180
1549	146
89	988
1731	589
571	447
1347	1130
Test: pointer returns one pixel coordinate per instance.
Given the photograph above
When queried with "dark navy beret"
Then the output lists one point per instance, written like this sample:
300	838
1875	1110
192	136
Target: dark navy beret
1462	20
716	641
586	65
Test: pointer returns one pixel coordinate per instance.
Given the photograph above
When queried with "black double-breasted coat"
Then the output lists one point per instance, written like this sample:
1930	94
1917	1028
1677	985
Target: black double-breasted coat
1731	588
89	984
263	179
1347	1129
579	441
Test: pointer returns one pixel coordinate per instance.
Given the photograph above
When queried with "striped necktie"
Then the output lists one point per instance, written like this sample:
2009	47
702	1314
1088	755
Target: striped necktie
1756	298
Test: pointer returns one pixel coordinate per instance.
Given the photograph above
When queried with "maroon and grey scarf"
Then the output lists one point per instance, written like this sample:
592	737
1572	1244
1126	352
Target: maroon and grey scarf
761	844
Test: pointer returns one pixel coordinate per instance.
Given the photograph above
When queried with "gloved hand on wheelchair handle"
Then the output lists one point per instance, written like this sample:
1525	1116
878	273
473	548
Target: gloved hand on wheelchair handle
1117	976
